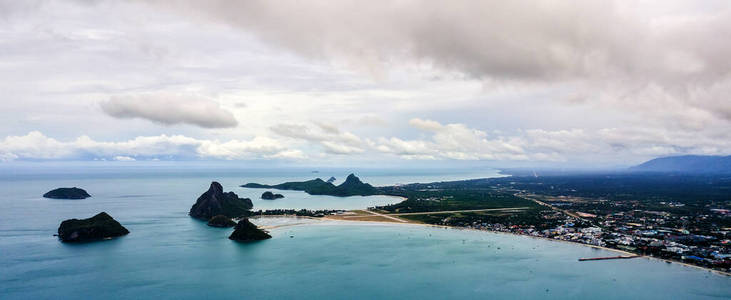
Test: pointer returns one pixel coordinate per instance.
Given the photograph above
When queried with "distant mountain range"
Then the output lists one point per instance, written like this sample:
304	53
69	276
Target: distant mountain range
687	164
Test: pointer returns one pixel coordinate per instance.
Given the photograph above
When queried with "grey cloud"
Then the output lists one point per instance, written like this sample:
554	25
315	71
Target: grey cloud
607	46
170	109
514	39
328	128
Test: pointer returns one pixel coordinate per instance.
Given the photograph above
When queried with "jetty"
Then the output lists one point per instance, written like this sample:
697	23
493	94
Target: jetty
609	257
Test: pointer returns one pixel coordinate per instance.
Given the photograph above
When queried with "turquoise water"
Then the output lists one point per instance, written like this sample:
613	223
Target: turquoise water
171	256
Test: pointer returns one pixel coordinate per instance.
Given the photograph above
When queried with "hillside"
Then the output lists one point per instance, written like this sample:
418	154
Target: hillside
351	187
687	164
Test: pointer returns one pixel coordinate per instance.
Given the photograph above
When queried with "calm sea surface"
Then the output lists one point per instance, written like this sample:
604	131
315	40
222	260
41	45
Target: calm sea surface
168	255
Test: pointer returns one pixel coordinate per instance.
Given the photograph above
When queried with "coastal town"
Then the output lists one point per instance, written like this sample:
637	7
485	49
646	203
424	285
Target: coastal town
637	214
643	232
623	232
640	232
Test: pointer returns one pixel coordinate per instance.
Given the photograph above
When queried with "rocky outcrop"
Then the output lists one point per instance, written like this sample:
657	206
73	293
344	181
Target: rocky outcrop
221	221
331	180
271	196
215	202
353	186
246	231
67	193
101	226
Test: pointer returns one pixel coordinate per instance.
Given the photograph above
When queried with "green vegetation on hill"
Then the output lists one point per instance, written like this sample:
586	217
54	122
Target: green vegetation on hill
351	187
523	218
446	200
97	227
694	191
310	185
221	221
271	196
245	231
67	193
215	202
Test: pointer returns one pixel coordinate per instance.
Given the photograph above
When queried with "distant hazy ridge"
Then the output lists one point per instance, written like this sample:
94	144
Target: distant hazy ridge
687	164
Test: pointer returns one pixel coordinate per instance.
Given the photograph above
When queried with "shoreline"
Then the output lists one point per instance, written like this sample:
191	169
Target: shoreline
717	272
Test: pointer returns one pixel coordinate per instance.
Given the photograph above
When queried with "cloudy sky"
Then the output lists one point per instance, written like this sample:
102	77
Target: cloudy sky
571	83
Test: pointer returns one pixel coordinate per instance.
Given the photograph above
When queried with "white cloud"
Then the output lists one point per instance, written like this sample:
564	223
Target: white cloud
425	124
459	142
452	141
238	149
289	154
36	145
170	109
443	142
328	136
337	148
123	158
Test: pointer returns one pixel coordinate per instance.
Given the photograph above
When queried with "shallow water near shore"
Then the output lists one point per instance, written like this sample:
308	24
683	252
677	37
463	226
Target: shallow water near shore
169	255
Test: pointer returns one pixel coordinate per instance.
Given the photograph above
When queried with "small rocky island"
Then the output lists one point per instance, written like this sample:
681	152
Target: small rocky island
271	196
67	193
352	186
246	231
221	221
101	226
215	202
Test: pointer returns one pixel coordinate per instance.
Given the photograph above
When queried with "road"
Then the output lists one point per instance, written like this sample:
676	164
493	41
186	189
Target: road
456	211
386	216
394	216
550	206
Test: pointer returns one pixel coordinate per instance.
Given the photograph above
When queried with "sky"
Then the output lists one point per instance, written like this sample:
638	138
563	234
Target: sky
506	83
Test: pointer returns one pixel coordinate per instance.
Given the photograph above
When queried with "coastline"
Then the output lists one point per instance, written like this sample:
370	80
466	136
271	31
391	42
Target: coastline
717	272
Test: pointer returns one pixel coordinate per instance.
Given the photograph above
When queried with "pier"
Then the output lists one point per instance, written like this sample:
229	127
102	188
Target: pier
609	257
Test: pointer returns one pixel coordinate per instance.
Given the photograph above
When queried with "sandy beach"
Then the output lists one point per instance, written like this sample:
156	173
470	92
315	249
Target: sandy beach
379	220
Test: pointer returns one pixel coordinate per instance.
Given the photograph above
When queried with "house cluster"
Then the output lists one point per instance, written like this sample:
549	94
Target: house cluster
658	234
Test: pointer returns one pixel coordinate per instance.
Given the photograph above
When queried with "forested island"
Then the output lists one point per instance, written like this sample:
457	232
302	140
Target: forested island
352	186
98	227
245	231
67	193
271	196
215	202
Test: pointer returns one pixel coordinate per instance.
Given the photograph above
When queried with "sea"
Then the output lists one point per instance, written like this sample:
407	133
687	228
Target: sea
169	255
